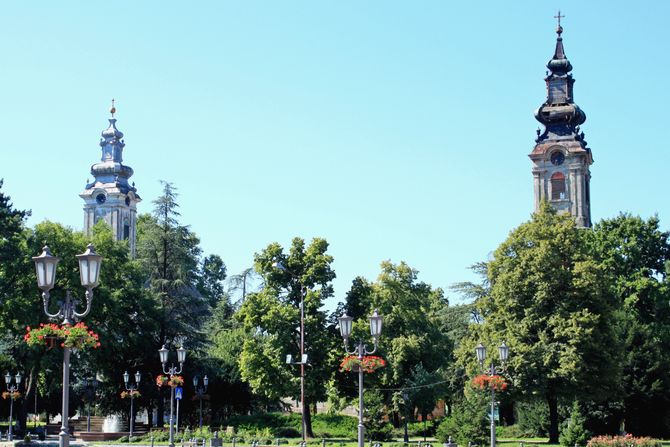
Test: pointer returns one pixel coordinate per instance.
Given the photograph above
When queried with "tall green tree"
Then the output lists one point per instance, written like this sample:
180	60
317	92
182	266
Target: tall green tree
549	300
272	318
412	339
169	254
635	254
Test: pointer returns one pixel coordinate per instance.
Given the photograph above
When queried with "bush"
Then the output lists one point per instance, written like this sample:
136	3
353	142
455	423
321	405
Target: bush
533	418
574	431
468	422
159	436
623	441
511	432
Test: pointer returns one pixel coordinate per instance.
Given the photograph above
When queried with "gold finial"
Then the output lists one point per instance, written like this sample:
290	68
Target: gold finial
112	110
559	29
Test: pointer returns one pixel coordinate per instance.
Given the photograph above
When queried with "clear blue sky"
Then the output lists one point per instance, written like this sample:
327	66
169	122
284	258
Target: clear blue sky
395	130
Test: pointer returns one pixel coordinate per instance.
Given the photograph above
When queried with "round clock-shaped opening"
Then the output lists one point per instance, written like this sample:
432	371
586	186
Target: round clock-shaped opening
557	158
100	198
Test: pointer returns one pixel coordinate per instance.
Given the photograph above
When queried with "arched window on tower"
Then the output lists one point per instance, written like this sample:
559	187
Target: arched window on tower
126	229
557	186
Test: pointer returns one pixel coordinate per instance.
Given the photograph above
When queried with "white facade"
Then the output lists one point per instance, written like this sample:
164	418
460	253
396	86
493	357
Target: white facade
110	197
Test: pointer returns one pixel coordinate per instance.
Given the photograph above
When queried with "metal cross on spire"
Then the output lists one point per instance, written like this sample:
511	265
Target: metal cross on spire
112	110
559	17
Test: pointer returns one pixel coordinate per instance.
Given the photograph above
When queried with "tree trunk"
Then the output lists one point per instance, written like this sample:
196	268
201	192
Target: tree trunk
309	433
552	401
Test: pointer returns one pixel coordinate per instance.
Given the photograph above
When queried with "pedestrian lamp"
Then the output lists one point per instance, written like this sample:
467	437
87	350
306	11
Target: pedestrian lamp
45	265
375	325
346	323
200	392
172	370
89	275
131	393
480	350
503	353
11	389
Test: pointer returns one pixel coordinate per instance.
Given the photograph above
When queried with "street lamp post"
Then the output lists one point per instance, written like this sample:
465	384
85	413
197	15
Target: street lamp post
303	356
11	389
361	350
131	392
200	392
89	272
172	370
90	386
503	352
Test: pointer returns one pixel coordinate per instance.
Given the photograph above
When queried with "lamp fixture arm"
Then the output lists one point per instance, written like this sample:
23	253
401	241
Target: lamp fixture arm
361	350
89	301
172	370
45	301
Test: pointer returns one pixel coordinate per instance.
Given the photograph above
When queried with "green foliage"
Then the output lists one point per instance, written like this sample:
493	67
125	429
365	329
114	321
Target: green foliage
272	315
377	428
634	253
550	301
412	335
467	423
533	418
574	432
288	425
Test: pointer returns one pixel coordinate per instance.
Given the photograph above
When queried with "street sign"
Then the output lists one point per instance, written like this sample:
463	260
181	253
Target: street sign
178	392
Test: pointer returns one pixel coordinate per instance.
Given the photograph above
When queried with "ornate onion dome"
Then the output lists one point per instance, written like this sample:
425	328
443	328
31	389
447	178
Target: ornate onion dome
559	114
110	169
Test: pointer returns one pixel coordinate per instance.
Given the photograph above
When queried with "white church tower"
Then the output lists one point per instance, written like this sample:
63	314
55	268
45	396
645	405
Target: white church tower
109	196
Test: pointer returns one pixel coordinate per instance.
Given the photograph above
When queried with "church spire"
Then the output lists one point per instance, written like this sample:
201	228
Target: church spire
560	115
561	157
110	196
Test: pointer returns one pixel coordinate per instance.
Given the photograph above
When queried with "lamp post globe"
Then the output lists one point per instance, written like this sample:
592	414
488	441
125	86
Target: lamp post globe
346	323
89	267
163	354
503	350
375	324
45	267
480	350
181	354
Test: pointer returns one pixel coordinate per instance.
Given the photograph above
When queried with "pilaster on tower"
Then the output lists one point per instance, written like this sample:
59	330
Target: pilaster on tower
561	158
110	197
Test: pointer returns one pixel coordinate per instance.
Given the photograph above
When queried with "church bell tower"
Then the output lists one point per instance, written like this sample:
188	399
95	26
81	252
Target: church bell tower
561	158
109	196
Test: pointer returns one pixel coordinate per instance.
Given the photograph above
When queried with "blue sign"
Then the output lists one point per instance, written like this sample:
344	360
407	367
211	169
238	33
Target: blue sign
178	392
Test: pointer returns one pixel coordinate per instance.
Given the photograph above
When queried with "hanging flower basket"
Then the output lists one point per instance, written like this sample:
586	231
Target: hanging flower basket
130	394
78	336
369	363
13	395
488	382
173	381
